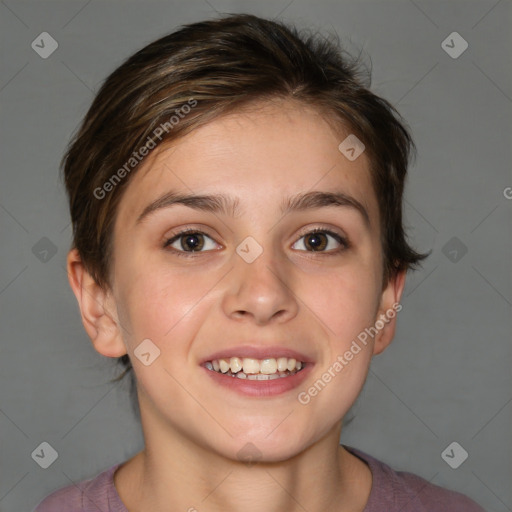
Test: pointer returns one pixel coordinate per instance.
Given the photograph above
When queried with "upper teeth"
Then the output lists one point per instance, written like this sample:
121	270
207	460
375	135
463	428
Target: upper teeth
266	366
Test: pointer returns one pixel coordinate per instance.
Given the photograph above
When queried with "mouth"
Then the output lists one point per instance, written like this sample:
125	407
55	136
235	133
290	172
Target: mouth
246	368
258	372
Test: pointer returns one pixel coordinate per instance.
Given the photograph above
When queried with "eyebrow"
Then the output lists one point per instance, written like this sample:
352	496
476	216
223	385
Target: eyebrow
220	203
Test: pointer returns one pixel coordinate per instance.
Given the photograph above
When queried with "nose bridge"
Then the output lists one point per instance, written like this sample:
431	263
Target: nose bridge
259	286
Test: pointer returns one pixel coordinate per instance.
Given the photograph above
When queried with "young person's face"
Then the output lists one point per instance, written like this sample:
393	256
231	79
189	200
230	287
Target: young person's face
289	301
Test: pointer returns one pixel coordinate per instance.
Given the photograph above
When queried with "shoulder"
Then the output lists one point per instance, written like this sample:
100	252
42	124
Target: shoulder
91	495
406	492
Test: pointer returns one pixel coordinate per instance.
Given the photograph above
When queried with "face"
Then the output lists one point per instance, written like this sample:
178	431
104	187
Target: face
266	249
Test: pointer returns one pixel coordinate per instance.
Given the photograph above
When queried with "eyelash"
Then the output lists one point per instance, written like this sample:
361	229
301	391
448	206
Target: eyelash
194	254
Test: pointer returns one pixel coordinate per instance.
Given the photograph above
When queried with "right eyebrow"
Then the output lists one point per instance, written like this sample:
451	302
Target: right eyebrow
217	203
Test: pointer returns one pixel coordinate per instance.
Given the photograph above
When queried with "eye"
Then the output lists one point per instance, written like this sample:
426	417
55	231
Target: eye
320	240
191	241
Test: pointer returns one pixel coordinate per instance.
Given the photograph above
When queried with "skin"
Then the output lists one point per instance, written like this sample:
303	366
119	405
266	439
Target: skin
312	301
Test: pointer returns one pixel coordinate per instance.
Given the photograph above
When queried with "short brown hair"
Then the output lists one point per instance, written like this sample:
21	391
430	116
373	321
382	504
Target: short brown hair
219	66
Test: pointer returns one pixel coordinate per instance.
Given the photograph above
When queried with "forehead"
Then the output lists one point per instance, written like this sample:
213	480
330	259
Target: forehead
258	154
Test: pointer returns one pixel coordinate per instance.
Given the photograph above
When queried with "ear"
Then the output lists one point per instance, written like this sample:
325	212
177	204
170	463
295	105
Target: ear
388	309
96	307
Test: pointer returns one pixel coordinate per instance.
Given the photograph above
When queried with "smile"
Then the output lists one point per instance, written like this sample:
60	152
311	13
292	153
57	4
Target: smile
256	369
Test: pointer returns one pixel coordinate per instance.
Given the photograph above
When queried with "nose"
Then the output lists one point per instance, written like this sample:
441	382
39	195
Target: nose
260	292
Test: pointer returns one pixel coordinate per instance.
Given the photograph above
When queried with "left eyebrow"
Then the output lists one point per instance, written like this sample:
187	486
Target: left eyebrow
220	203
316	199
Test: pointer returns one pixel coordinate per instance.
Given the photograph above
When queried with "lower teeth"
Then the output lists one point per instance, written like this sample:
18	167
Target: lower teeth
262	376
258	376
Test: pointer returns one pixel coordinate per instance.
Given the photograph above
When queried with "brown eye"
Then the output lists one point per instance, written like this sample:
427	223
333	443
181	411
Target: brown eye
315	241
191	241
321	241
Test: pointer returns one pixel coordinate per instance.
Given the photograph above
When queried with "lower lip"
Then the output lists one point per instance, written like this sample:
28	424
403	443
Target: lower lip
261	388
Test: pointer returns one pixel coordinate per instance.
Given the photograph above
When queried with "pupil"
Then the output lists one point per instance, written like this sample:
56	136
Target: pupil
193	242
317	241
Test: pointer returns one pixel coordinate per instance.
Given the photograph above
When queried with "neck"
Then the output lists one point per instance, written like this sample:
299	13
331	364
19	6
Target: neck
172	473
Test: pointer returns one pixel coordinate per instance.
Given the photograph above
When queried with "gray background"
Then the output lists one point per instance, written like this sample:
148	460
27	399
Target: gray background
447	375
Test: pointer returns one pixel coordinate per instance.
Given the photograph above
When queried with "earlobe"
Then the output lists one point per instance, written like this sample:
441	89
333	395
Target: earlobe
388	310
96	308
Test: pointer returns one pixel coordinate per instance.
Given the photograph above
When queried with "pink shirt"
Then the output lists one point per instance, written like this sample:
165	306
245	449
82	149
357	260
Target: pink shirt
392	491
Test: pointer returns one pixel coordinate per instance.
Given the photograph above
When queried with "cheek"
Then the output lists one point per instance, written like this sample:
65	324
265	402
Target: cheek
346	301
159	302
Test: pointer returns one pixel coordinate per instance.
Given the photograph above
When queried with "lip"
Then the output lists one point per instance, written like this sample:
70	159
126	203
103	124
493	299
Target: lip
258	352
260	388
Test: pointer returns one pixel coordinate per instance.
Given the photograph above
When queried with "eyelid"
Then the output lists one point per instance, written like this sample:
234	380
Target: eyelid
322	229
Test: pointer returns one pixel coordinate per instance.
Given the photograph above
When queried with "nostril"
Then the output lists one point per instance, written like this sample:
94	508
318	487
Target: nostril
279	313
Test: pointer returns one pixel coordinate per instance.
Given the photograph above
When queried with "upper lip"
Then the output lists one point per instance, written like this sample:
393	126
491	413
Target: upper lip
258	352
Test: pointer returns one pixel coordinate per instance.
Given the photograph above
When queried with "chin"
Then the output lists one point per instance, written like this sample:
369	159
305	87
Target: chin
252	453
267	444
